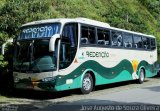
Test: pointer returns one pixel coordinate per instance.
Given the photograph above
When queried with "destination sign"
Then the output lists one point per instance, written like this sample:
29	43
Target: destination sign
39	31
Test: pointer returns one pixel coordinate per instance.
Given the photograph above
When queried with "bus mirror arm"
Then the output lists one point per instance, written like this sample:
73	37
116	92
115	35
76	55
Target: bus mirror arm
53	41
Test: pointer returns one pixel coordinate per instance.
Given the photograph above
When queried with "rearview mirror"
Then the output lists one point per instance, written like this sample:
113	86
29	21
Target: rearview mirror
52	42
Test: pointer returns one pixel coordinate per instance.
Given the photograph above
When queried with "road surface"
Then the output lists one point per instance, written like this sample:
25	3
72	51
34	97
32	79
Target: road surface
107	97
132	99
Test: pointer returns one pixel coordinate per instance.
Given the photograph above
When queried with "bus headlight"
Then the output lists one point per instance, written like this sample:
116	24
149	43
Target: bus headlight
16	79
48	79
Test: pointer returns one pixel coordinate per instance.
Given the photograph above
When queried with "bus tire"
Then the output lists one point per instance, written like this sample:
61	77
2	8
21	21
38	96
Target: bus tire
87	84
141	76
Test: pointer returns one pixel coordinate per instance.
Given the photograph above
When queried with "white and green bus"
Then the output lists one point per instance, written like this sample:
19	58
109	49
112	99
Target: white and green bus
63	54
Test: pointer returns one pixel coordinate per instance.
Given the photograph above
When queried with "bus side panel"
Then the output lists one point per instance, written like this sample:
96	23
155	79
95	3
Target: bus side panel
150	69
123	76
69	84
103	75
121	65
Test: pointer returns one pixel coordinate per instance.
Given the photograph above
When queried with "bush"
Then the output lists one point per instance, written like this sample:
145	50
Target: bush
2	62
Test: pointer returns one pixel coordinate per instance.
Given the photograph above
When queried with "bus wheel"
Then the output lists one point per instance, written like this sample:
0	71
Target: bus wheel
87	84
141	76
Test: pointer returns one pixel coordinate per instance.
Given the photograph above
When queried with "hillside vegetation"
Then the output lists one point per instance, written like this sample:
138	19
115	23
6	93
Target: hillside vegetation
136	15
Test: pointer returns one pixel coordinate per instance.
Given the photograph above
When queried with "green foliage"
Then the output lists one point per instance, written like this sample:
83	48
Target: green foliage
14	13
158	58
153	7
3	37
2	62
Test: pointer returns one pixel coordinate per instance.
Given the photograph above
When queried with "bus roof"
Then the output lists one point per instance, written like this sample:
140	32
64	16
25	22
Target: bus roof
84	21
66	20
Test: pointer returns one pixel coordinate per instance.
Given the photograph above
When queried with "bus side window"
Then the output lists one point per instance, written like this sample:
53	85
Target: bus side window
116	39
107	37
103	37
84	36
146	43
153	44
138	43
127	40
88	35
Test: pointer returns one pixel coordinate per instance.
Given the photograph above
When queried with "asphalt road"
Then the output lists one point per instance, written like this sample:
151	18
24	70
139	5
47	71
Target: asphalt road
119	96
144	95
142	98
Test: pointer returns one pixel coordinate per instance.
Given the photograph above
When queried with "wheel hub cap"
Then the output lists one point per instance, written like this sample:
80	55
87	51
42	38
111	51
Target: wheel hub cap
87	83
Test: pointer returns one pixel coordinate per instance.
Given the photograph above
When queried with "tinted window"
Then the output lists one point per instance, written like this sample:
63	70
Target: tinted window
70	33
88	35
146	42
138	41
68	46
153	44
127	40
116	38
103	37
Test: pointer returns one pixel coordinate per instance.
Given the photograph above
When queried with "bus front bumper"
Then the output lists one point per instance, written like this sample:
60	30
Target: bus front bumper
34	85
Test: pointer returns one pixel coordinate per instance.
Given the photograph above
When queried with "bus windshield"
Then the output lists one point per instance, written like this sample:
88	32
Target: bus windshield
34	56
32	48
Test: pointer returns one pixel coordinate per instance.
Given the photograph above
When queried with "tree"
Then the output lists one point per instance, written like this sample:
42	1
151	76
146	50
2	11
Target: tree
14	13
2	62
